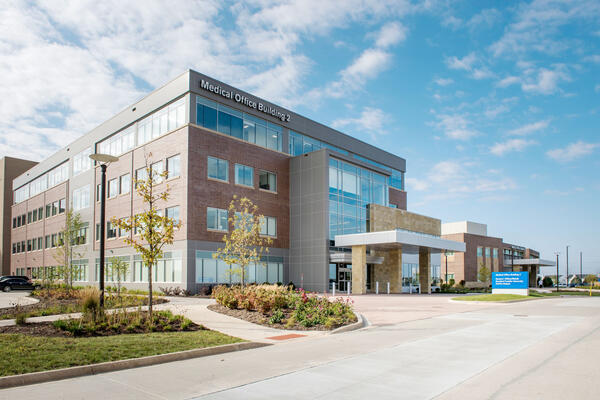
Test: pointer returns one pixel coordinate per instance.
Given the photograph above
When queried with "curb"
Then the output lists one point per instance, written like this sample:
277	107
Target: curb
92	369
361	322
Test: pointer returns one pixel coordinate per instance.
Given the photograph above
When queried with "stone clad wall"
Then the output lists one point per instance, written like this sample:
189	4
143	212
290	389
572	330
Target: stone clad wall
383	218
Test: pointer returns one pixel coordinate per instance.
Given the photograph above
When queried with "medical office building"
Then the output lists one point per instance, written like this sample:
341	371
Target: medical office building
311	183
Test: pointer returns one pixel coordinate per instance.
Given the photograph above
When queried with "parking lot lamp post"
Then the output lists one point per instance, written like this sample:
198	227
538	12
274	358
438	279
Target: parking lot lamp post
104	160
557	279
567	282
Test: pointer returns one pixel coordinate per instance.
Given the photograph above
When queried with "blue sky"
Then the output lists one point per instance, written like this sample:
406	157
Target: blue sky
495	105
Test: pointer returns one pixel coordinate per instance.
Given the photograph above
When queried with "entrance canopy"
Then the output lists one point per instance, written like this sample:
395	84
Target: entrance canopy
531	262
409	241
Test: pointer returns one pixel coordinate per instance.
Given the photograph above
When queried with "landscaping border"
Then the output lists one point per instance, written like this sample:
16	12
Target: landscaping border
360	323
110	366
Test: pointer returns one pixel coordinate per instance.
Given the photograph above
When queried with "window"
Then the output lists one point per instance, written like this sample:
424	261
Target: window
14	248
54	240
81	198
157	170
216	219
47	239
268	226
495	253
111	230
81	235
267	181
479	251
98	192
97	232
218	169
14	222
34	215
29	217
29	245
33	243
113	188
40	212
244	175
141	175
18	221
62	206
48	210
487	252
173	167
82	161
125	183
173	213
40	243
119	143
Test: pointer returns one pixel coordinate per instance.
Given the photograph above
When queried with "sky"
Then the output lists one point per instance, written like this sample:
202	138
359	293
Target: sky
494	105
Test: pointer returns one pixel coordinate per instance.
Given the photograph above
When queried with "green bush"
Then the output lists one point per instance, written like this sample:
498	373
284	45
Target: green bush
547	282
20	319
276	317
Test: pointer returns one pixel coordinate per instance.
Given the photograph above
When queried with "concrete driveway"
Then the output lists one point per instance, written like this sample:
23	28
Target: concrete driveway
524	350
16	297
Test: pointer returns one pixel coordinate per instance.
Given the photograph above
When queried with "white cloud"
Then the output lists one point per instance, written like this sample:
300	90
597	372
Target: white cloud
545	81
593	58
529	128
597	88
465	63
444	81
371	120
416	184
487	18
509	80
494	112
455	126
537	26
573	151
500	149
390	34
452	22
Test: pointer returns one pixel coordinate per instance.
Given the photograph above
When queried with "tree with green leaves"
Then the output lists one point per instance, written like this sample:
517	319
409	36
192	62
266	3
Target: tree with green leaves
118	269
245	244
484	274
152	229
590	278
69	239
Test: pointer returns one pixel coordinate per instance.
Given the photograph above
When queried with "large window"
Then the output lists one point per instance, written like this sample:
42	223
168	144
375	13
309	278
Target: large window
141	175
301	144
268	226
351	189
157	170
113	188
173	213
218	169
82	161
216	219
210	270
162	121
111	230
244	175
81	198
218	117
124	183
267	181
173	166
479	251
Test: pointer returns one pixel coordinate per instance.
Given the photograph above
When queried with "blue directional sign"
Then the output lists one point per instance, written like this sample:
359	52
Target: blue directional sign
510	280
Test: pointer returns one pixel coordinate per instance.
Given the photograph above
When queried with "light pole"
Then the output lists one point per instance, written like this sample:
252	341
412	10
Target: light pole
557	279
568	265
581	267
104	160
446	255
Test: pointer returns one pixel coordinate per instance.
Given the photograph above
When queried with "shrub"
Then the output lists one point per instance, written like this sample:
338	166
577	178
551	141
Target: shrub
205	290
547	282
20	319
277	317
90	302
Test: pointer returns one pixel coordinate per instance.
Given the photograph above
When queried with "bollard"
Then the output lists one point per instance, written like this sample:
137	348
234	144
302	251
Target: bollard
376	287
348	288
410	288
333	289
388	288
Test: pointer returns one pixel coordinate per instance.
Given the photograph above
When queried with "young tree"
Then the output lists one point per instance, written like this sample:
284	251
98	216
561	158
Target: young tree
66	251
484	274
244	245
591	278
153	230
119	269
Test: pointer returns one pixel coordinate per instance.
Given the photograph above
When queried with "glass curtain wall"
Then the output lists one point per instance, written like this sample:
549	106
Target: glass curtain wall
210	270
351	189
228	121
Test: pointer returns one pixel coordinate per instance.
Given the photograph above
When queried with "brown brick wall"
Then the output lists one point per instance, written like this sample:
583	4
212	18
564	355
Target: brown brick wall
464	266
204	192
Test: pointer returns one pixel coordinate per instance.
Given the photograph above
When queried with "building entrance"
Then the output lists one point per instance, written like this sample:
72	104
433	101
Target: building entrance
344	277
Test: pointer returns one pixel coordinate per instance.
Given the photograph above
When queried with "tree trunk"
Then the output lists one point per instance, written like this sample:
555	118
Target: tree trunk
150	292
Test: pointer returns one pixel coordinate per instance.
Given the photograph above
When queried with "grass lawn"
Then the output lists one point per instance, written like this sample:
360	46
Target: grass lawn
25	353
492	297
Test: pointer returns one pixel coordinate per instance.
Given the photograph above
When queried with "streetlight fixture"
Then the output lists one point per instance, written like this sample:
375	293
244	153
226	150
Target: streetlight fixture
557	276
103	160
446	254
568	265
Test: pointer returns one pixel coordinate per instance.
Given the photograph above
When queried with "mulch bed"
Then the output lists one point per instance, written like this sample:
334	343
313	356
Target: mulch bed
259	318
45	303
49	330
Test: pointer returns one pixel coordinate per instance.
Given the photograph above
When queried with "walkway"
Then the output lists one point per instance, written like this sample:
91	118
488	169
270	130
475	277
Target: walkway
20	297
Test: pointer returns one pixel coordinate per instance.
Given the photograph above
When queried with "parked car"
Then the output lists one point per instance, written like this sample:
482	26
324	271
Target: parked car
7	285
4	277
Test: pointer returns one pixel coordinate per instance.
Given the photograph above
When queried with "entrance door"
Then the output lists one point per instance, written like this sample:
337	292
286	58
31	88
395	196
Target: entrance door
344	278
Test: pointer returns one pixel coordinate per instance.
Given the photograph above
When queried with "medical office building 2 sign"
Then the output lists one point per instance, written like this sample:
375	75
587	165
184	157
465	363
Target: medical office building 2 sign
510	283
242	99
